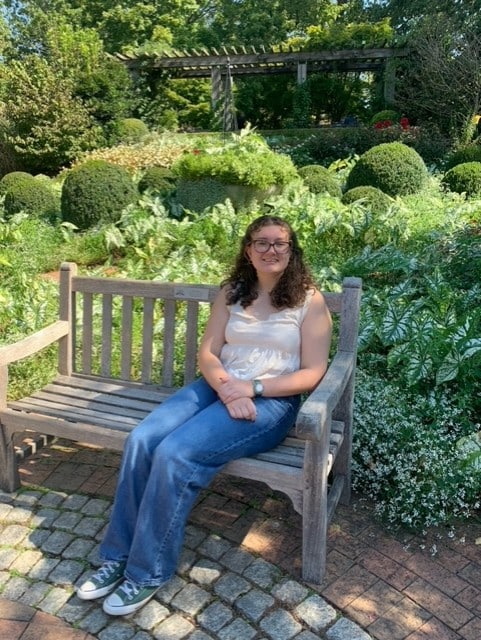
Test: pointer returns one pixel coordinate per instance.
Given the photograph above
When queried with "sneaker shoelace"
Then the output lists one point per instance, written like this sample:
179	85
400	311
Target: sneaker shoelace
106	570
130	589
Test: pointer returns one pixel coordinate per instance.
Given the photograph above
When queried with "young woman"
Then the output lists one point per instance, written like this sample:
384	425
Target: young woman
266	342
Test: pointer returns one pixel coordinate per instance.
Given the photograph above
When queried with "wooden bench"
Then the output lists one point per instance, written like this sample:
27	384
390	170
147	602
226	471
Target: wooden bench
125	345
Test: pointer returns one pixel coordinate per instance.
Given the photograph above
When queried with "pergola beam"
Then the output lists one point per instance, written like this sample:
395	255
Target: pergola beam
259	58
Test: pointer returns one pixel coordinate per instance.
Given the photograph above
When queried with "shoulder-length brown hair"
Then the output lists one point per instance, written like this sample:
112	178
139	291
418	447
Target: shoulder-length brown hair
293	285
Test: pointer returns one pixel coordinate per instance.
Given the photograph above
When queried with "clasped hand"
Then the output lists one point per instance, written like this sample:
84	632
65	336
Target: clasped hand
236	395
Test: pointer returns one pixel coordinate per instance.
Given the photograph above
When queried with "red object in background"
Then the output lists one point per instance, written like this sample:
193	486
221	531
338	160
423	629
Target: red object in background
404	122
383	124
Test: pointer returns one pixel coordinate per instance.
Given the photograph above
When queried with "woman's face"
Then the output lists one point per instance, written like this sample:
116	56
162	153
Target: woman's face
269	249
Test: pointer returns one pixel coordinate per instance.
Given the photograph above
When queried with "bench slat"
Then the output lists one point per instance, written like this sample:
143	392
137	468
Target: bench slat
79	414
106	358
126	340
87	333
71	395
147	340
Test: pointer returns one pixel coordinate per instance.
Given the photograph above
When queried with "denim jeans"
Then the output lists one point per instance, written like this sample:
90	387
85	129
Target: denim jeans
168	459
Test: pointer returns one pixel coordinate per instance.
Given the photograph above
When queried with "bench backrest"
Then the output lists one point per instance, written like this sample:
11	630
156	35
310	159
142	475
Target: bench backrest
147	331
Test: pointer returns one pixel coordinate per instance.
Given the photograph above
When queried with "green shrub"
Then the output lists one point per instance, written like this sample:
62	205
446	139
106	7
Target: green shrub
392	167
464	178
157	180
469	153
12	178
406	455
320	180
96	192
253	165
327	144
130	131
33	197
373	198
386	114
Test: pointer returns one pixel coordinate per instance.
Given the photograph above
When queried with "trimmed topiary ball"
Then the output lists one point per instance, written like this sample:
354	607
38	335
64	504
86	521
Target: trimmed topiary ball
464	178
392	167
386	115
130	130
375	199
33	197
318	179
470	153
96	192
12	178
157	180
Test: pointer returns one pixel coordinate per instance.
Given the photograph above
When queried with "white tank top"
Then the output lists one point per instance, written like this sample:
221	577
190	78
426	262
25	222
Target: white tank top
263	348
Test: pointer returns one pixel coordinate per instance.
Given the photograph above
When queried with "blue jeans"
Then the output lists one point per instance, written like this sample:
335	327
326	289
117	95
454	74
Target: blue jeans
168	459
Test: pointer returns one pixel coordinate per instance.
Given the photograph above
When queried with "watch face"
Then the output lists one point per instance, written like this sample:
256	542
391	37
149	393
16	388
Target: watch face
258	387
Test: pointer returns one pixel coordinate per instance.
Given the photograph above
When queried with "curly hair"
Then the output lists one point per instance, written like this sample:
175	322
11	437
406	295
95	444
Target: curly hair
292	287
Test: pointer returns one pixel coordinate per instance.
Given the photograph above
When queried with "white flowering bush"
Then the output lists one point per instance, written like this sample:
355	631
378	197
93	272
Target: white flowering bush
407	458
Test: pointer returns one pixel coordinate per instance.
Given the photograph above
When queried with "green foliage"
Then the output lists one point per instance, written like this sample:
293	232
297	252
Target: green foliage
301	107
157	180
47	126
29	246
33	197
13	178
408	456
339	35
103	85
129	131
392	167
464	178
375	199
423	329
462	256
96	192
320	180
469	153
326	145
247	160
386	114
194	249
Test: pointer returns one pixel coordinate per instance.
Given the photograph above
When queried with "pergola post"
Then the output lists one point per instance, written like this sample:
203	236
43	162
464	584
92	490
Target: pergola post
301	72
389	82
216	86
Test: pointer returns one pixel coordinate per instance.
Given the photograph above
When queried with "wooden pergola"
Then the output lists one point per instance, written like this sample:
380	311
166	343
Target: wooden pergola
242	61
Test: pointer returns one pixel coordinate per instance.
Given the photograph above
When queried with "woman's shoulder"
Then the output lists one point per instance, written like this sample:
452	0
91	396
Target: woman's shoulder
314	302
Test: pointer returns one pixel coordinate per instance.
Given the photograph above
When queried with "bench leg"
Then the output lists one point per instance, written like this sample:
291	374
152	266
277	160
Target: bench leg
314	517
9	476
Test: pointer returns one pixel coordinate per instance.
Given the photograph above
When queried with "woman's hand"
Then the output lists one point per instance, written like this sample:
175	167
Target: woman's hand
234	389
242	409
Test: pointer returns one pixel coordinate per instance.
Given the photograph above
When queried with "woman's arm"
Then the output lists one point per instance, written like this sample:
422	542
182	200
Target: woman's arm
241	406
212	342
316	334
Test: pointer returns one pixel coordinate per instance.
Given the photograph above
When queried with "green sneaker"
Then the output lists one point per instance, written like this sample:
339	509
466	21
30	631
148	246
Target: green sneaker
127	598
103	581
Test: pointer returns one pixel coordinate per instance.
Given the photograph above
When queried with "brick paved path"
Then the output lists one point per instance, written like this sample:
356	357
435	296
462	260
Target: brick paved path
394	587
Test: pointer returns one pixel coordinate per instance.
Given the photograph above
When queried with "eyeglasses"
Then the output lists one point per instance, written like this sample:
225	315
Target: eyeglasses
263	246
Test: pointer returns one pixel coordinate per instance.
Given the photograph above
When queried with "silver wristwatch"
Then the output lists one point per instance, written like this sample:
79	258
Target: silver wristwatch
258	388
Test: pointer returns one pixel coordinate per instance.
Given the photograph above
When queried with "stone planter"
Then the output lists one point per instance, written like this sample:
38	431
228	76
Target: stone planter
197	195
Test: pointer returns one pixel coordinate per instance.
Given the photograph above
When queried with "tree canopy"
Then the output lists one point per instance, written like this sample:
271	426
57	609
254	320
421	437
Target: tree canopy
71	41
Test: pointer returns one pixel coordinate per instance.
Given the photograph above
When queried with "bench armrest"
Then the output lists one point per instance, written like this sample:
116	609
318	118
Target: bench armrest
34	343
315	413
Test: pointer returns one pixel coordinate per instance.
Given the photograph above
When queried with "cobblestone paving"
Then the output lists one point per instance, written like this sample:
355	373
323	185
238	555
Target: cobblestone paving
49	541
